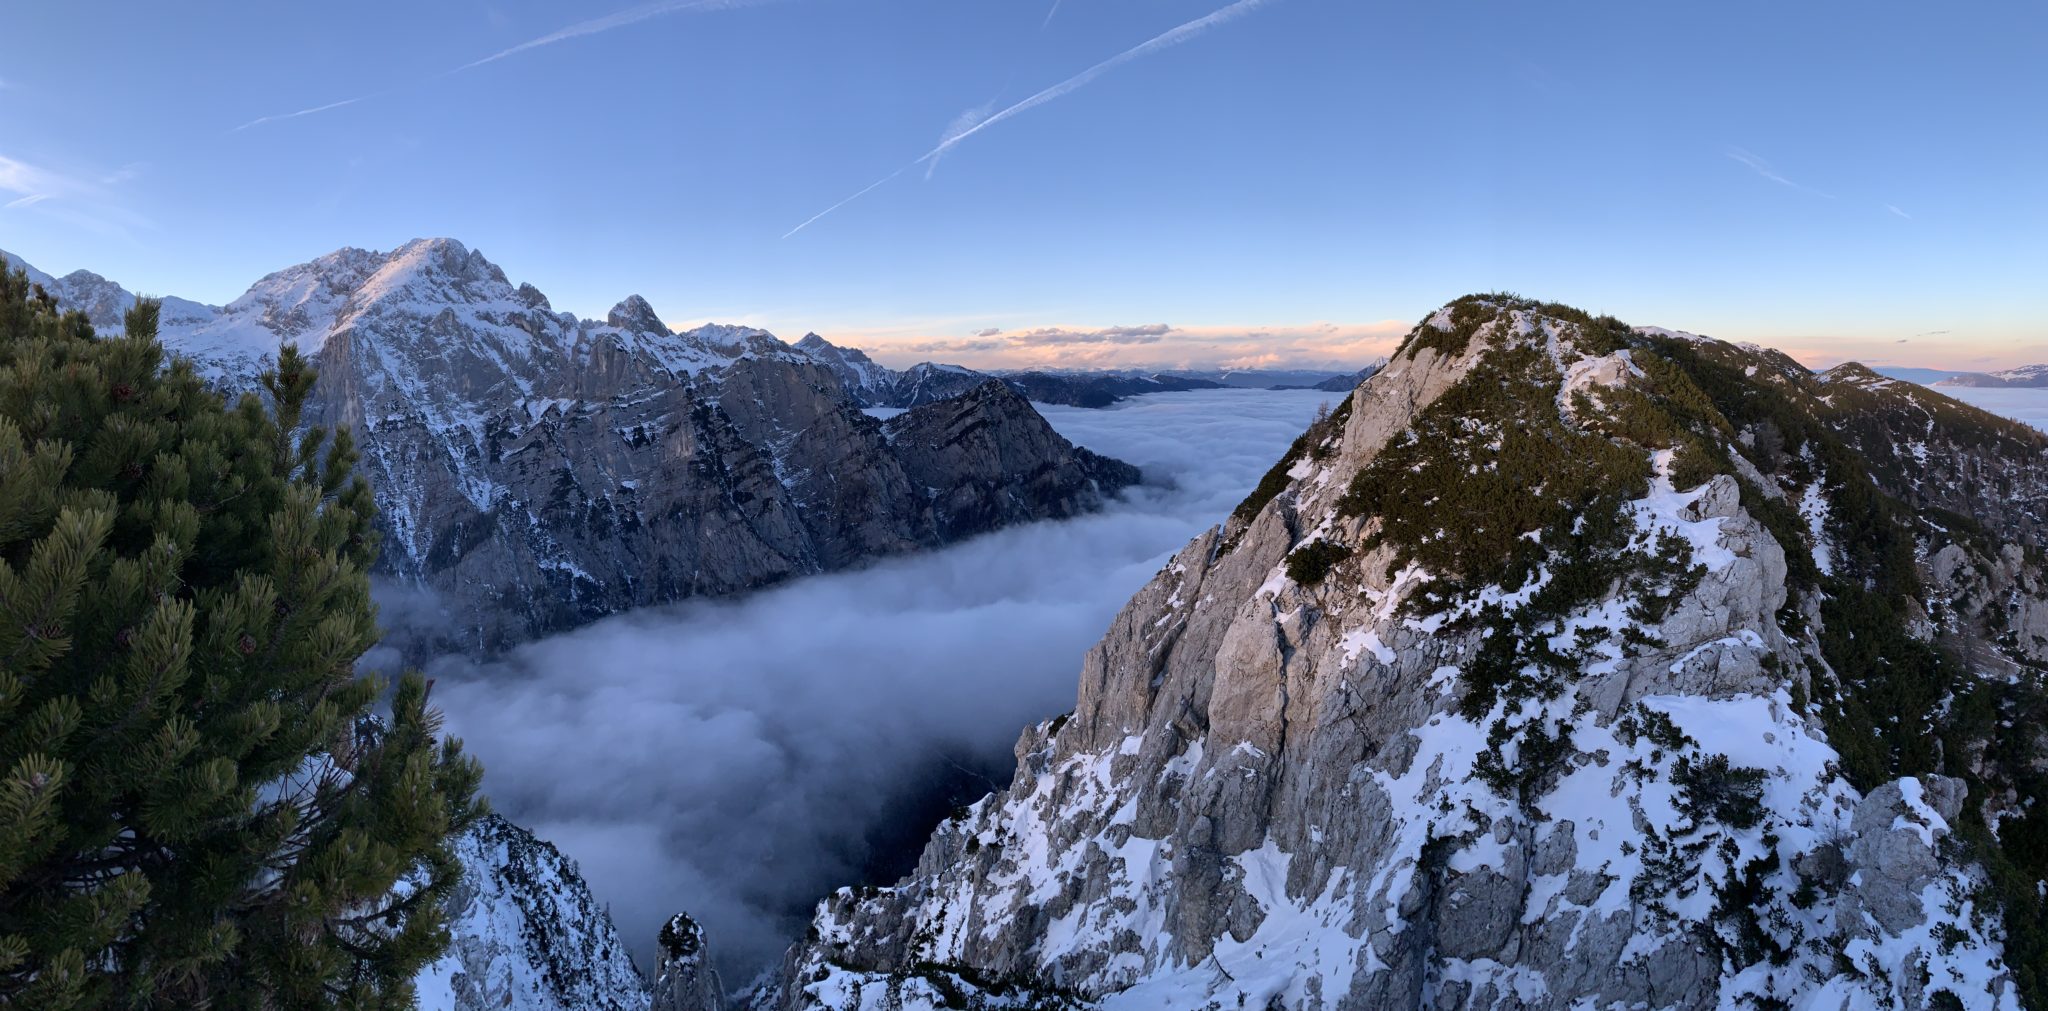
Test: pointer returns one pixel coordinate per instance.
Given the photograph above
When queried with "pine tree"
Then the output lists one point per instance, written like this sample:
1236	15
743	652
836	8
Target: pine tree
199	806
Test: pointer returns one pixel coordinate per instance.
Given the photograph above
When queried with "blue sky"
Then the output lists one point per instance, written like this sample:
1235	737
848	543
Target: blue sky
1296	183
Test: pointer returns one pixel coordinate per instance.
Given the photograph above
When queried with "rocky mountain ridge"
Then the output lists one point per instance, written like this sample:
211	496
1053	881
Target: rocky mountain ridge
2028	376
1567	664
872	384
2021	377
535	471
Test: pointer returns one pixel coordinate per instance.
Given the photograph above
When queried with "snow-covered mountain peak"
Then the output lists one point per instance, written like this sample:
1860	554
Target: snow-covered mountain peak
2024	375
435	270
1518	682
1856	373
634	314
103	301
726	343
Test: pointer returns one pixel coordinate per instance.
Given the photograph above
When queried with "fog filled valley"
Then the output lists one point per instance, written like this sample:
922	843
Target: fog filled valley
741	759
1555	658
2019	404
1195	505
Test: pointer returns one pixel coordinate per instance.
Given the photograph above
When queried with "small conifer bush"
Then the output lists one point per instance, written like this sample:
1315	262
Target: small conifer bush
199	806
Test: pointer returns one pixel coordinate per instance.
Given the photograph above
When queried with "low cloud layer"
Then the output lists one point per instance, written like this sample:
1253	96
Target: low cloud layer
735	759
2020	404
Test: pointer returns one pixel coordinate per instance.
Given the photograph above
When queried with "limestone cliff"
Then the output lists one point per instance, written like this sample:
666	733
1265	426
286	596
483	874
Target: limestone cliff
1566	665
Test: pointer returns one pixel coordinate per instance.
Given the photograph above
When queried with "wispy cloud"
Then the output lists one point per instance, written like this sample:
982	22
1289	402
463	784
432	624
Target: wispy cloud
74	198
1929	333
1048	15
1898	212
126	173
1150	333
594	26
961	124
956	134
20	177
1764	169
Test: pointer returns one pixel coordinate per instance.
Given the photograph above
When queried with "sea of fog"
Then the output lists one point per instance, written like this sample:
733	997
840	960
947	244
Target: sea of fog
2028	405
739	760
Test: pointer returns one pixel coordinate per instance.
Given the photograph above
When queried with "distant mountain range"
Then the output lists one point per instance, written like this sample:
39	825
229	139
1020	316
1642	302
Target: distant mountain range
2023	377
535	471
877	385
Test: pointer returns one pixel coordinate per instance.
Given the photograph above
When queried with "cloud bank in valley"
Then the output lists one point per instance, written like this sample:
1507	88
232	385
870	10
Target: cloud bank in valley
2018	403
734	759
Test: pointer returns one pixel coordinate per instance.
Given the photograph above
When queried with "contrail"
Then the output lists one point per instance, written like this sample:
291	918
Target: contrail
1165	40
953	136
260	120
1763	168
961	124
619	19
1049	14
870	187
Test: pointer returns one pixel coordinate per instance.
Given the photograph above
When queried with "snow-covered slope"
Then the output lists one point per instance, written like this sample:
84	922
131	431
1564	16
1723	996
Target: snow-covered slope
526	934
1518	684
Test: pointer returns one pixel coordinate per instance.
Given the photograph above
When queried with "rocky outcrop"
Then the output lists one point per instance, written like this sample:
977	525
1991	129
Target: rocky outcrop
526	934
1510	694
685	980
535	471
985	454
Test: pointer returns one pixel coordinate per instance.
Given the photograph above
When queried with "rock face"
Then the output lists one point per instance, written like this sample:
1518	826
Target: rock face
535	471
686	981
1523	683
527	936
986	453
